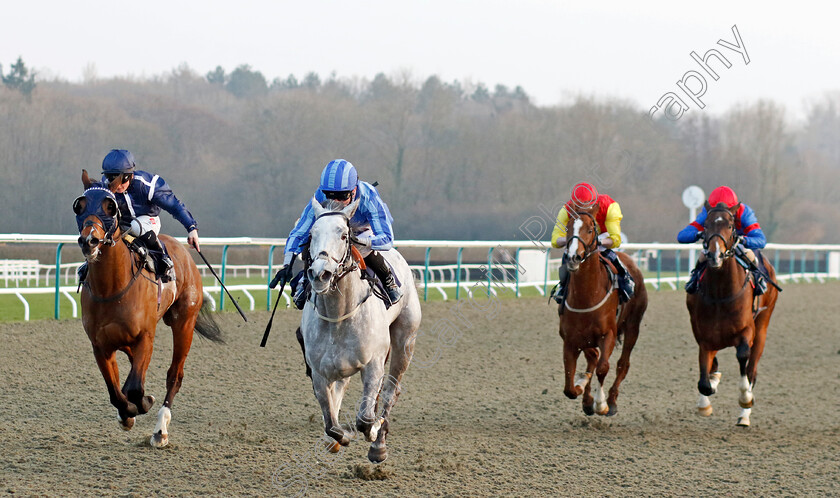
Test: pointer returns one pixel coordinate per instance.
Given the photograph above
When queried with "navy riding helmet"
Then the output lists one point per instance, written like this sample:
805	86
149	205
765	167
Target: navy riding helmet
118	161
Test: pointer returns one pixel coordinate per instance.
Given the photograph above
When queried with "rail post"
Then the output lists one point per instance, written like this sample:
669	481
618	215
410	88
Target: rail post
222	278
426	276
57	280
267	288
458	275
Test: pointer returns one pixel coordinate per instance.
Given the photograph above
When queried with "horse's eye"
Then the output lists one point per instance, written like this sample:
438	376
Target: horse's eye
344	236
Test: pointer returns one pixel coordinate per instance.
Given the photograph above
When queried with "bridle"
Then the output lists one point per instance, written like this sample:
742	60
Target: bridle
707	238
589	249
346	264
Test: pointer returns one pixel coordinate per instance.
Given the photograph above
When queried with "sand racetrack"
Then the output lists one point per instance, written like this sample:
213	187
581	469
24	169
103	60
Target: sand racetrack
482	413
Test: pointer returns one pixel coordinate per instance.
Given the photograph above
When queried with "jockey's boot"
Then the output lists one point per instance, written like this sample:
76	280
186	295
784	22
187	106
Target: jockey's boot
626	284
300	290
379	266
760	282
165	270
694	280
563	276
82	272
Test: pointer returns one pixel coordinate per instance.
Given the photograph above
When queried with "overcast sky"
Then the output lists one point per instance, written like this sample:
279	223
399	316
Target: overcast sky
554	50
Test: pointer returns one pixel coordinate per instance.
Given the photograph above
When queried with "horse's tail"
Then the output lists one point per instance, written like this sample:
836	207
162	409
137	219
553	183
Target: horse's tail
206	325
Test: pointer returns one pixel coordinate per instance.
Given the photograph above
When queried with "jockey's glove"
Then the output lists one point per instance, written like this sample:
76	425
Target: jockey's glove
282	277
363	242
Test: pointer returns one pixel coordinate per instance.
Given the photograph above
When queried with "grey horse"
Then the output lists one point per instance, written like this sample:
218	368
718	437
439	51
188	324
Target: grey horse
347	330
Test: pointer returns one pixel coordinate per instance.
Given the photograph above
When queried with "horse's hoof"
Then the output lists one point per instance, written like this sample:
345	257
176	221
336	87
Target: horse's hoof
588	410
602	411
148	401
126	424
612	411
159	439
377	455
332	446
573	394
705	411
743	422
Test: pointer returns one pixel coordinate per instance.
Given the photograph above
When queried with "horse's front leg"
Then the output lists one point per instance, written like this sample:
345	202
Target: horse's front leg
745	399
140	355
574	387
704	405
607	344
324	394
126	410
368	422
591	355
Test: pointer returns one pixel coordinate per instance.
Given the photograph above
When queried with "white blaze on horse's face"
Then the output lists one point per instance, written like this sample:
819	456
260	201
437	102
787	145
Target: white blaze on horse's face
328	246
573	247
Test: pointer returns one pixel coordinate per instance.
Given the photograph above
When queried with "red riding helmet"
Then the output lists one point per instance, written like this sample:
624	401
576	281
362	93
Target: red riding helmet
725	195
584	195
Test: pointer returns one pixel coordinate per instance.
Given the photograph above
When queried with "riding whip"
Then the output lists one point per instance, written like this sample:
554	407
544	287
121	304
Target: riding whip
268	326
223	285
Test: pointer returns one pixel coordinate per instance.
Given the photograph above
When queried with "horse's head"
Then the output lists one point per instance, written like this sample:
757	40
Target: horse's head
719	237
329	247
97	217
581	237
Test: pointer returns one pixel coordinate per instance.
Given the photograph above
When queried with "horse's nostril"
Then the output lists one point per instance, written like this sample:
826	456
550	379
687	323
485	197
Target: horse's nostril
81	241
326	275
93	242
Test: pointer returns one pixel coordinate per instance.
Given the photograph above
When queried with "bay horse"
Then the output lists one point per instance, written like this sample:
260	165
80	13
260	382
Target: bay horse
722	313
593	320
345	330
122	304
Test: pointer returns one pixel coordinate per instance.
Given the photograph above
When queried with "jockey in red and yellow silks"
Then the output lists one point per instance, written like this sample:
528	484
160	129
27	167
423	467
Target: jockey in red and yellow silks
608	219
752	238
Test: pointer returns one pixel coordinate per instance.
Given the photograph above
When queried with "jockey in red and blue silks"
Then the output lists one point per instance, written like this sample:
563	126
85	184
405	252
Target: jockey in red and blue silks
746	226
370	225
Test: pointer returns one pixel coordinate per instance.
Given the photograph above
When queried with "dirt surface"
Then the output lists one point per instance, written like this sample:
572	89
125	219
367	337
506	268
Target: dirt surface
483	413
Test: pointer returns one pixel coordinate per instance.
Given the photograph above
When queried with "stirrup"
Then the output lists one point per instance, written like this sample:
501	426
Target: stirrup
394	293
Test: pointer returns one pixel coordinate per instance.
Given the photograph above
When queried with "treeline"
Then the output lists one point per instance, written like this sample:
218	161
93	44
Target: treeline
454	160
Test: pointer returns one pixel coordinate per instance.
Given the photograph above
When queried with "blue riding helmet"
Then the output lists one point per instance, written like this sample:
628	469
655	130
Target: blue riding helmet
339	176
118	161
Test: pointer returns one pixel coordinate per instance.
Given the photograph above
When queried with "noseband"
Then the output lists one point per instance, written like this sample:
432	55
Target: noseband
589	249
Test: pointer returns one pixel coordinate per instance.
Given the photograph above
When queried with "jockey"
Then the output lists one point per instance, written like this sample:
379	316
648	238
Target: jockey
140	197
746	226
370	226
608	219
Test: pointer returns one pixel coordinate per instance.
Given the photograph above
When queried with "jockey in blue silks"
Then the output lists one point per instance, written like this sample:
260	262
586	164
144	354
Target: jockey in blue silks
370	225
140	197
751	237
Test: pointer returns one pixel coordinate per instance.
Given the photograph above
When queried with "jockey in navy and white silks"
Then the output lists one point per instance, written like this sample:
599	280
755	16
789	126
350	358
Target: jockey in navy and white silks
370	224
751	236
140	197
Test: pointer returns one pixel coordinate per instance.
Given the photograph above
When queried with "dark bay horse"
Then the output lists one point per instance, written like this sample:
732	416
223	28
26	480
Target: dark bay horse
724	313
593	321
122	304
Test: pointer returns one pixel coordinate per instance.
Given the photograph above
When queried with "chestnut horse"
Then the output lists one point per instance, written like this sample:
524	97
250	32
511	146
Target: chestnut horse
593	319
122	304
722	313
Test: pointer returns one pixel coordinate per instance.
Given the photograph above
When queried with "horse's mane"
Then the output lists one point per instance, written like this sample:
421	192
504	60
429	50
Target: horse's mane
333	205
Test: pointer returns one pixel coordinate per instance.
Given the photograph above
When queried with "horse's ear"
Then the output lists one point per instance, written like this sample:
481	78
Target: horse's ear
734	209
115	184
350	210
707	206
79	205
86	179
109	206
316	207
